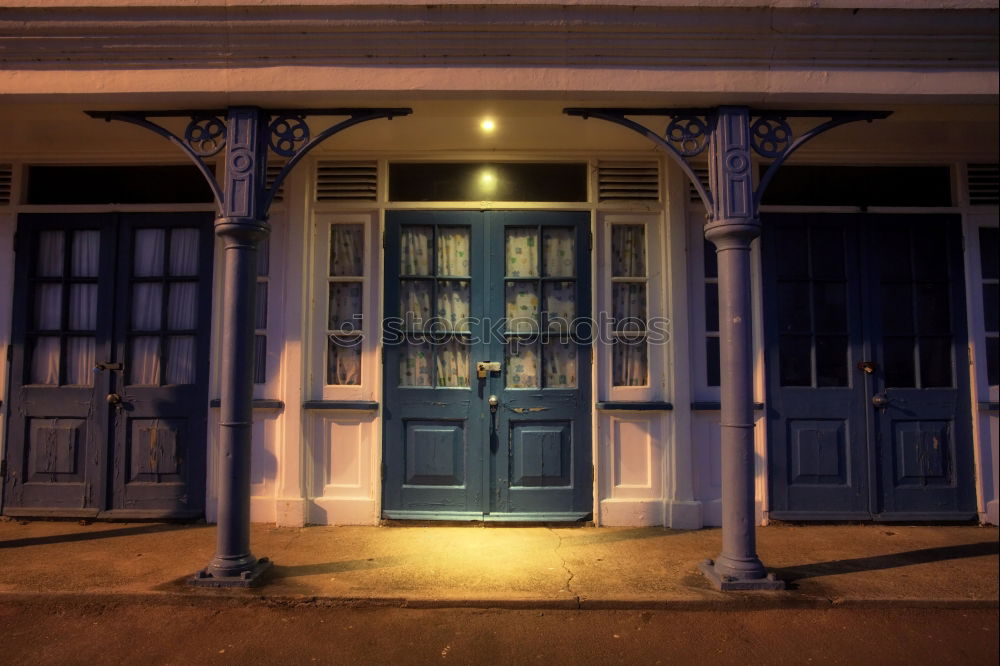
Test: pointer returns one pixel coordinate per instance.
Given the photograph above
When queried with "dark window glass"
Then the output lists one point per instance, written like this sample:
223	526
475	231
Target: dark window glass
830	307
793	252
61	185
898	359
993	360
478	181
711	260
712	356
793	307
991	300
827	253
794	360
859	186
935	362
894	255
897	309
711	307
831	360
989	249
933	311
259	359
930	247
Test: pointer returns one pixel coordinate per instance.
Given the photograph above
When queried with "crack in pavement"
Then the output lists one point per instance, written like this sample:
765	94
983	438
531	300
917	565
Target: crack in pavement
562	561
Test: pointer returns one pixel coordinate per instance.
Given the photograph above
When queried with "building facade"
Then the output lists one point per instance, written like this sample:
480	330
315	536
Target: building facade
487	308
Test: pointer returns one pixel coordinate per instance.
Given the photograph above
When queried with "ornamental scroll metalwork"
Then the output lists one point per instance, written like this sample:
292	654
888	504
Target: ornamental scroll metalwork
689	133
288	136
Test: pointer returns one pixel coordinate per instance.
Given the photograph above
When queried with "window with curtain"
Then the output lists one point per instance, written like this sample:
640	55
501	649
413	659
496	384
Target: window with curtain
712	361
345	293
629	282
260	314
63	338
164	307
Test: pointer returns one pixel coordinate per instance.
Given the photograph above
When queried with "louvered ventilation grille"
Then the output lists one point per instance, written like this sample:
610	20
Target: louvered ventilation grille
628	181
6	175
984	184
702	173
346	181
272	173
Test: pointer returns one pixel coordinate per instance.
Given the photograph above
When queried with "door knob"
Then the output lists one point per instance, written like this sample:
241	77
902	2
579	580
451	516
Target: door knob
494	403
113	399
880	400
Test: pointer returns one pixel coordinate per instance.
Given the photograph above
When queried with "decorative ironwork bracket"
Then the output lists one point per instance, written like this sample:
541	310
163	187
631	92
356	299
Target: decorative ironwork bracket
288	136
690	132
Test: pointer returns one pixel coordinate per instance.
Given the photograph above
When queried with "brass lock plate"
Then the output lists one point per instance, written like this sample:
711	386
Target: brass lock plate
483	368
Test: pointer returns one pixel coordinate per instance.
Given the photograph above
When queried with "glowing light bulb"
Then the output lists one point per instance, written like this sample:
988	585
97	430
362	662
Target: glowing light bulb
487	125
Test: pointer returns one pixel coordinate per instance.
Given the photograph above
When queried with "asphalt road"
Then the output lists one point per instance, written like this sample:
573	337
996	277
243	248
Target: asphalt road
42	631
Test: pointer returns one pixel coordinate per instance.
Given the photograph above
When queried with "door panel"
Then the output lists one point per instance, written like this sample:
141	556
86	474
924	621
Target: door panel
73	448
862	308
447	453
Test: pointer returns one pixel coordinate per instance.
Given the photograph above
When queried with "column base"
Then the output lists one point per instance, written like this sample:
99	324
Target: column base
727	583
250	577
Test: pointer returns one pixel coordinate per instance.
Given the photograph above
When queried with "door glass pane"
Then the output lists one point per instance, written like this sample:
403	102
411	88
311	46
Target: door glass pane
415	251
146	306
558	252
415	303
522	307
933	310
522	364
894	255
992	360
45	361
453	304
989	252
521	252
144	361
260	306
347	249
48	307
84	261
559	306
713	362
452	363
897	309
629	362
82	307
793	307
50	254
792	252
991	303
345	306
930	249
182	308
259	359
343	361
712	307
827	249
184	252
830	307
415	364
560	364
935	362
180	359
794	360
898	357
453	251
831	360
629	306
148	259
628	250
80	361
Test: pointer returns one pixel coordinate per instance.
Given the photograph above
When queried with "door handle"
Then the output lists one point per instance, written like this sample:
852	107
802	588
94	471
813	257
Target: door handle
484	368
494	404
880	400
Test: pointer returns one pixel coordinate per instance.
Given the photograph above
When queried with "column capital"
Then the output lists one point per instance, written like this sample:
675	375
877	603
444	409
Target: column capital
245	229
732	233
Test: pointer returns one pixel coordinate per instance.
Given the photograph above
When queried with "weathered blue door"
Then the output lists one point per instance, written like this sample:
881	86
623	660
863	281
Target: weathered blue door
868	393
487	391
110	365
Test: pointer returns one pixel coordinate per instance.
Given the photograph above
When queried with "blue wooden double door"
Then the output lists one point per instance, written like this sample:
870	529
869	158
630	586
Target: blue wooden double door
487	370
867	368
109	365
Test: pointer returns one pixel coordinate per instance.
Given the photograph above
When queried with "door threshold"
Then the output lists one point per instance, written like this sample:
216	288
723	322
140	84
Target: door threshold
463	518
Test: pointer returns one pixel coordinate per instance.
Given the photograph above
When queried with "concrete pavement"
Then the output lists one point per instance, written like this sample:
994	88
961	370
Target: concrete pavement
508	567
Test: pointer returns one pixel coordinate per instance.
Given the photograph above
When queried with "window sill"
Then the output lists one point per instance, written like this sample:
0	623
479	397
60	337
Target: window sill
621	406
343	405
258	403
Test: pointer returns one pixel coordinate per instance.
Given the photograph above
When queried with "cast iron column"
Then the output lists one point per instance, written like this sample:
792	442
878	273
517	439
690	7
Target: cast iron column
241	226
732	228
